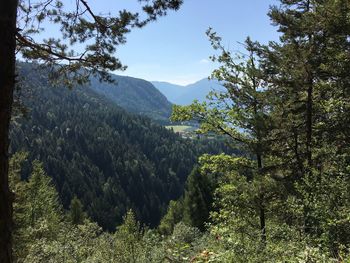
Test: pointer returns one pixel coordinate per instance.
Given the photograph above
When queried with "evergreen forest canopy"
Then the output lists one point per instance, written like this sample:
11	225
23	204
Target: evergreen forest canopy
135	95
285	198
112	161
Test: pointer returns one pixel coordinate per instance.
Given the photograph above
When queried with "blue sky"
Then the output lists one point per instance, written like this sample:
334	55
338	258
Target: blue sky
175	48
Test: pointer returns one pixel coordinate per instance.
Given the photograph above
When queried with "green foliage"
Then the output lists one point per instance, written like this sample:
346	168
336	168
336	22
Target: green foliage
37	212
76	212
79	25
135	95
15	168
41	197
111	160
173	216
242	113
197	199
129	245
324	201
284	199
194	206
304	82
286	106
70	244
181	244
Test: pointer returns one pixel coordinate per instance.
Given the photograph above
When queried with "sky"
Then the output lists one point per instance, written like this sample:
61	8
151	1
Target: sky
175	48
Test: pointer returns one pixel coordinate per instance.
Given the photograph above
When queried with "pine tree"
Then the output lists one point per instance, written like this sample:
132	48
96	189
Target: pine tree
198	198
38	214
309	86
129	239
173	216
76	212
241	112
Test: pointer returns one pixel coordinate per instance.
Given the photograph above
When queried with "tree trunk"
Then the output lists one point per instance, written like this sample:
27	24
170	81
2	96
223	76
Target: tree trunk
260	166
262	223
300	170
309	106
308	220
309	124
262	207
8	12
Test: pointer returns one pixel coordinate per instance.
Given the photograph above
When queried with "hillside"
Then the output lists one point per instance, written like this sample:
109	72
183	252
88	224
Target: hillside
110	159
135	95
184	95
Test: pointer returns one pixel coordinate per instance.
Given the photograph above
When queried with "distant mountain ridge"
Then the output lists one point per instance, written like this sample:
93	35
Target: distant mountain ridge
184	95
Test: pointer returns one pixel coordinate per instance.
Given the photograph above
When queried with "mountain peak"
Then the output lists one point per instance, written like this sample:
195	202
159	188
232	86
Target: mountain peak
184	95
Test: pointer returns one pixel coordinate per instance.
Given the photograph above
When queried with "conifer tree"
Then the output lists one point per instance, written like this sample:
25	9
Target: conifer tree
309	87
198	198
76	212
307	79
173	216
128	239
38	214
241	112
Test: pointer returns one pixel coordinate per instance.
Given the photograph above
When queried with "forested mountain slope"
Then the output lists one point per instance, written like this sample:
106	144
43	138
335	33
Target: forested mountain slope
136	96
109	159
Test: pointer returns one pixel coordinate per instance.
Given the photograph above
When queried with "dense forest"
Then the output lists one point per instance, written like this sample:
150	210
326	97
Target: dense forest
136	96
111	160
280	194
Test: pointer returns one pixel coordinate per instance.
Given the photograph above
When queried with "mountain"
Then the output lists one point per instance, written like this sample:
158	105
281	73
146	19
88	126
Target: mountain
110	159
136	96
171	91
183	95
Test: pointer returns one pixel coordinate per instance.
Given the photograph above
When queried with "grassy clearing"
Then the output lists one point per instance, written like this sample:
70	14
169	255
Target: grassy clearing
181	128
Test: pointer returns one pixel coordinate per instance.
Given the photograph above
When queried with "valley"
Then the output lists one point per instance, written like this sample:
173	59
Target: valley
111	159
249	163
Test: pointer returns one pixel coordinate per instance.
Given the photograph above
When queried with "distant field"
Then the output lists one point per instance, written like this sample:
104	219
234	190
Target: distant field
181	128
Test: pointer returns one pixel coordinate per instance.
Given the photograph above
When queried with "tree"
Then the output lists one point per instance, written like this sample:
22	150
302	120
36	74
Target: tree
173	216
303	116
76	212
303	76
309	87
37	212
198	198
129	239
98	34
240	112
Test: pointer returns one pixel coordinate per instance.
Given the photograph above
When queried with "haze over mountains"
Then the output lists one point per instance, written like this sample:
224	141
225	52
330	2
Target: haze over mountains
184	95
